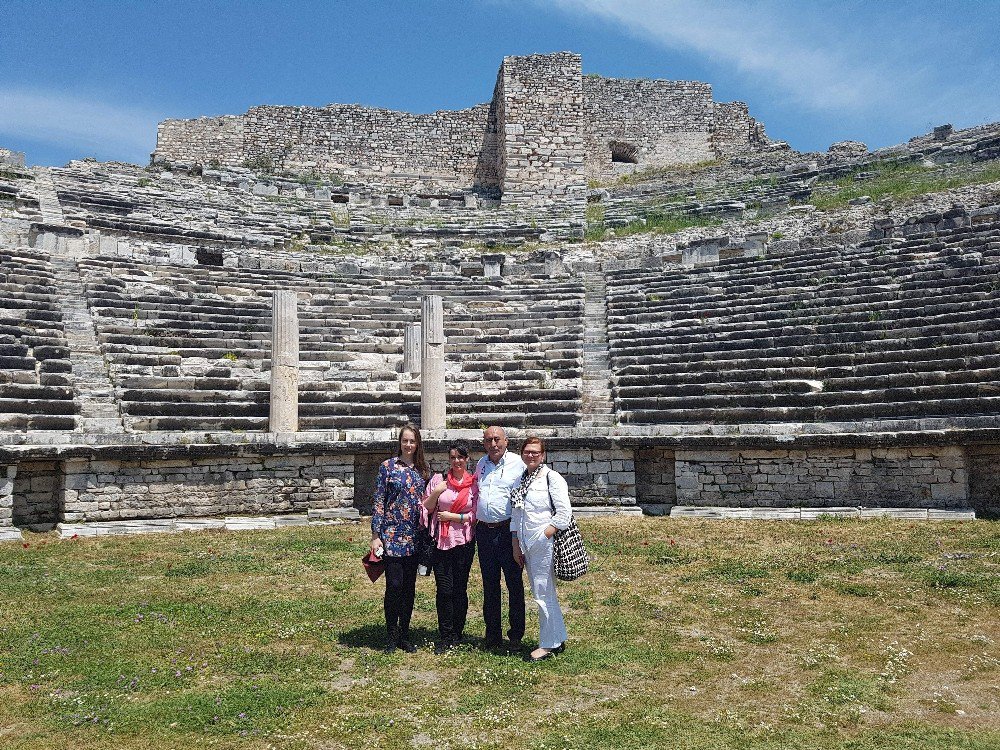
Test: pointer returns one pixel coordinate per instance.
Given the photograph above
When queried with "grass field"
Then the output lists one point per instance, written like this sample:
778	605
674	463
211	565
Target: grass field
686	634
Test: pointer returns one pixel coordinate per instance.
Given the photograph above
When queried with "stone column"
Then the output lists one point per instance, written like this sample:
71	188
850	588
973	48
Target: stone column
7	475
411	349
8	532
432	406
284	363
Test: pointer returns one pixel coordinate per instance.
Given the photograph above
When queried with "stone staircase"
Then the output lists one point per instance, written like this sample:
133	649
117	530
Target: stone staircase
48	200
95	394
597	408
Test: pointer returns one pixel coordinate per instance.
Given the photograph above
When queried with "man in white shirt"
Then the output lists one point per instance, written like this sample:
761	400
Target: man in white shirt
497	474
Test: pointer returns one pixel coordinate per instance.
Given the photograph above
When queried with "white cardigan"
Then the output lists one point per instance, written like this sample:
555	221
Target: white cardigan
530	522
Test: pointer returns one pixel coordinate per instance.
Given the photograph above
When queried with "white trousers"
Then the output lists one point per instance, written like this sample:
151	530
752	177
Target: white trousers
538	561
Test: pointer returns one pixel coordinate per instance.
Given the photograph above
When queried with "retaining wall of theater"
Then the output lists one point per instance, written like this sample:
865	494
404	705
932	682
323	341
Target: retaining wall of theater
77	484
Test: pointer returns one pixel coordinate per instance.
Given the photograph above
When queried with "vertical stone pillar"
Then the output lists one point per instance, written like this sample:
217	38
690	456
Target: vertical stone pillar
7	475
411	349
284	415
8	532
432	405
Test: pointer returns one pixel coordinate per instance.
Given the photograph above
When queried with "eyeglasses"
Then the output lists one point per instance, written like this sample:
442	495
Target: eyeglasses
531	453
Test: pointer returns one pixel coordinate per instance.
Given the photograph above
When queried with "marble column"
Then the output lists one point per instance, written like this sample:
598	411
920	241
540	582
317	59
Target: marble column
284	415
411	349
432	405
7	475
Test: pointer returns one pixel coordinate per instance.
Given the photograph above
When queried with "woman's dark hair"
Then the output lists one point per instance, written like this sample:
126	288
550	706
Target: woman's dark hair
419	462
461	447
533	440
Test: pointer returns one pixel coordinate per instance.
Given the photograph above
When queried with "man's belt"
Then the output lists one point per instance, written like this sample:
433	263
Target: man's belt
497	525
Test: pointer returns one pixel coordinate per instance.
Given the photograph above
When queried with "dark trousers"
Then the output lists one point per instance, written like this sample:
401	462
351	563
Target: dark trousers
400	589
496	555
451	574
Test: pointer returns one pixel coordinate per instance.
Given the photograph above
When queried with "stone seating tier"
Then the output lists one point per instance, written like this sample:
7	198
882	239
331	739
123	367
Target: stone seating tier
883	329
35	386
189	346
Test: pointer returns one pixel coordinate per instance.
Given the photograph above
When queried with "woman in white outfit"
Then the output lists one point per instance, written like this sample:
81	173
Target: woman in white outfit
540	507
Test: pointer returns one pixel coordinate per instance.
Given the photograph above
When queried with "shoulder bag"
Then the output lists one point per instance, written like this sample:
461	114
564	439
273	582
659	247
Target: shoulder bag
570	558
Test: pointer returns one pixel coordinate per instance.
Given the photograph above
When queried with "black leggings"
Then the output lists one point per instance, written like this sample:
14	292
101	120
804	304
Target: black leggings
451	575
400	588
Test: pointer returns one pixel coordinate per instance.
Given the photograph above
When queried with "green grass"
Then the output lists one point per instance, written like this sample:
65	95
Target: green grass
595	222
652	173
693	634
665	222
899	181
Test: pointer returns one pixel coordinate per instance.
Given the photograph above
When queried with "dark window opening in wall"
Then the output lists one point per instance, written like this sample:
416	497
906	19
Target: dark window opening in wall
624	153
340	198
395	200
206	256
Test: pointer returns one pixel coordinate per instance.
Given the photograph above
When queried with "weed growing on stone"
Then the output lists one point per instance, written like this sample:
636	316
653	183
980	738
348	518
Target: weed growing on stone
901	181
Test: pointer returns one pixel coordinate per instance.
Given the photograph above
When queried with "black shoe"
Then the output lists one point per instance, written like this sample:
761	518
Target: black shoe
493	645
514	647
560	648
390	646
543	657
442	647
407	646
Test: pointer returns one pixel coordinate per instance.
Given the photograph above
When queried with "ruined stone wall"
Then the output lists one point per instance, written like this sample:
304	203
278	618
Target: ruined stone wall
37	490
654	478
598	476
984	479
11	158
736	132
453	148
878	477
190	487
665	122
541	153
206	141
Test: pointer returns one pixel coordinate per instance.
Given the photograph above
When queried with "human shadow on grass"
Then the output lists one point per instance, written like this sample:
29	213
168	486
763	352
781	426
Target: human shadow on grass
373	636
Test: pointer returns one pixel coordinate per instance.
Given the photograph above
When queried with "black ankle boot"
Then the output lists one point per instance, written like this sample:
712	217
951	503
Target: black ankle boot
391	641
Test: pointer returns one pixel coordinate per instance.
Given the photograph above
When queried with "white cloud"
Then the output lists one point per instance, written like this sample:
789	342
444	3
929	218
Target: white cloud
824	58
82	125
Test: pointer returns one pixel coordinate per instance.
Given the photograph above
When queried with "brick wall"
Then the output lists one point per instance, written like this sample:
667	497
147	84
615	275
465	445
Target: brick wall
447	148
887	477
37	489
542	153
736	132
668	122
115	490
205	141
984	479
654	478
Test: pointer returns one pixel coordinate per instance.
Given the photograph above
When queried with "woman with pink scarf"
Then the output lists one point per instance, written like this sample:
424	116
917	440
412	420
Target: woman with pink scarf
450	509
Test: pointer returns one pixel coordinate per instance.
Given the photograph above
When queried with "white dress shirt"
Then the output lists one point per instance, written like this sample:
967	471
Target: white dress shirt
494	483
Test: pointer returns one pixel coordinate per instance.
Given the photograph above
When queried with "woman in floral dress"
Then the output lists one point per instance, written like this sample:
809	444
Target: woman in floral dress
395	518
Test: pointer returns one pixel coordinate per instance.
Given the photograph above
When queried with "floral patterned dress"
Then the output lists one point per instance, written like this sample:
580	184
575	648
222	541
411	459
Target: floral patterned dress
396	507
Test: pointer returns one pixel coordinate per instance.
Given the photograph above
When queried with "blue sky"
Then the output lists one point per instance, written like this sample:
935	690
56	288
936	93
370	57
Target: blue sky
93	78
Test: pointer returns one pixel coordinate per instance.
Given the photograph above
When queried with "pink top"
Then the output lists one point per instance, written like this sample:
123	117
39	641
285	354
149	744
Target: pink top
458	533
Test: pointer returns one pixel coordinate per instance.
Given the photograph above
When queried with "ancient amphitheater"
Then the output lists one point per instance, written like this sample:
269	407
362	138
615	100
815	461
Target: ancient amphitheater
703	320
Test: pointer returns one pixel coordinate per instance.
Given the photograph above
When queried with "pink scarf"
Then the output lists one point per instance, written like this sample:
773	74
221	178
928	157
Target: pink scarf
464	488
